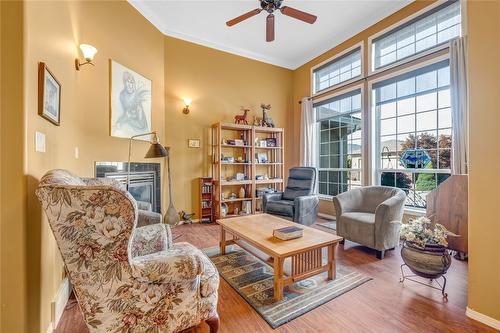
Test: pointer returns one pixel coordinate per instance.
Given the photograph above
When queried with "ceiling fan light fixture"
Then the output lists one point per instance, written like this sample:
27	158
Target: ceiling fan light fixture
270	6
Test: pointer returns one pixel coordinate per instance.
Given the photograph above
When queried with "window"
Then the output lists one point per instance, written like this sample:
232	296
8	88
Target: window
433	28
413	120
339	70
340	153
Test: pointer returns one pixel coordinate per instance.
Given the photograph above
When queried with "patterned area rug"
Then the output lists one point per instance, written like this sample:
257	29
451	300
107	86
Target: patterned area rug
253	280
331	224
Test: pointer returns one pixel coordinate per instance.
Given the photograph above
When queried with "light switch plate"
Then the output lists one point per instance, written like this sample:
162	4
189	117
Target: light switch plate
77	153
39	142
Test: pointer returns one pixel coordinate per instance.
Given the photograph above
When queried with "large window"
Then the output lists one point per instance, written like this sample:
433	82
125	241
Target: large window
340	153
413	129
433	28
341	69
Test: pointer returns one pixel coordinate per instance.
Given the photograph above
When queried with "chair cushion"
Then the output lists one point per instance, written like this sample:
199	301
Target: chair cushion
280	207
301	182
359	227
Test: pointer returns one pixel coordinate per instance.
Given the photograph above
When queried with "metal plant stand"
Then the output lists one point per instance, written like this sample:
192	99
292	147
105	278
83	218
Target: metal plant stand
410	277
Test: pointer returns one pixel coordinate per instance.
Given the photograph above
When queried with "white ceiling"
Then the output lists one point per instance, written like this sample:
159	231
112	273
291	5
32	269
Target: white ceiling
203	22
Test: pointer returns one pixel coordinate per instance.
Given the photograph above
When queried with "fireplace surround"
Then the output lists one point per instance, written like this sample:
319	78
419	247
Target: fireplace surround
144	184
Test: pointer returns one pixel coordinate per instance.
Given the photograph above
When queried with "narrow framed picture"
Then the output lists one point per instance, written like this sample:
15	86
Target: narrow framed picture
49	95
271	142
194	143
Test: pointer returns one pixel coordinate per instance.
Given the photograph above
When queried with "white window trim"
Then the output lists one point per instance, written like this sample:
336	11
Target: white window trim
364	142
437	48
374	142
337	56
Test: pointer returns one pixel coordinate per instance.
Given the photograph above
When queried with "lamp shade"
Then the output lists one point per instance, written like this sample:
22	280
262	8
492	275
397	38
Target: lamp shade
156	150
88	51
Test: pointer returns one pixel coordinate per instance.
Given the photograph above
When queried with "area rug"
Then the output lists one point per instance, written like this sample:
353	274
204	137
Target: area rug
331	224
253	280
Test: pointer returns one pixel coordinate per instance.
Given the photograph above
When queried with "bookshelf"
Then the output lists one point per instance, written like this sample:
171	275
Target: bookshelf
206	185
248	157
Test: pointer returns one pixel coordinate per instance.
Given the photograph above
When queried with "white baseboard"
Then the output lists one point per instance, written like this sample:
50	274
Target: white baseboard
326	216
59	303
482	318
50	329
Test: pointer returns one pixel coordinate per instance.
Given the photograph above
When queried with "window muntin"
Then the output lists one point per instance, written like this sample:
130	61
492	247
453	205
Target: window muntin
427	31
413	112
339	70
340	141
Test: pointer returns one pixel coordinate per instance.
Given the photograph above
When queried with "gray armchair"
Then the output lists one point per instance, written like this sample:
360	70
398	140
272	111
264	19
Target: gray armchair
298	202
370	216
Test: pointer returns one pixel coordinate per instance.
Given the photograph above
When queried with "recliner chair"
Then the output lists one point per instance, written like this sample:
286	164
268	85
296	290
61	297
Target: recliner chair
298	202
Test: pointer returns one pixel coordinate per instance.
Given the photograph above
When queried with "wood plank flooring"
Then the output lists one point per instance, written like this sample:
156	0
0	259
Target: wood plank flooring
381	305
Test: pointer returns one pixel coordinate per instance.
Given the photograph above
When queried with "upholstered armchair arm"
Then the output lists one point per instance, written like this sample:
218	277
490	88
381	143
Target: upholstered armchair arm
104	182
270	197
347	202
150	239
145	217
182	262
388	217
306	209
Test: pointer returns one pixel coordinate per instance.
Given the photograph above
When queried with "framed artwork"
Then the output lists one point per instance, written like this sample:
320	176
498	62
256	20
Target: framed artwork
262	158
271	142
194	143
49	95
130	102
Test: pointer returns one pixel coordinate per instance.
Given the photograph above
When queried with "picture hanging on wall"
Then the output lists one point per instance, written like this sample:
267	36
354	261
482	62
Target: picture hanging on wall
49	95
130	103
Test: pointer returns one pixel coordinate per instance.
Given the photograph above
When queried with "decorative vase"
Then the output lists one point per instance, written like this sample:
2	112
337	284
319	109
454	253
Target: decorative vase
429	262
241	193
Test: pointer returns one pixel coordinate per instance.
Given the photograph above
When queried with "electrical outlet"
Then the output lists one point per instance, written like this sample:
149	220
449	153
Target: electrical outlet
39	142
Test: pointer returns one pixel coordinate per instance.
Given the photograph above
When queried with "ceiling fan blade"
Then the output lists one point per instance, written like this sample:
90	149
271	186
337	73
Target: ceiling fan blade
243	17
270	28
298	14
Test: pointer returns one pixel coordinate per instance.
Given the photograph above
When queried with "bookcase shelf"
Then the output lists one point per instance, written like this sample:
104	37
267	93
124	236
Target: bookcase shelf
224	173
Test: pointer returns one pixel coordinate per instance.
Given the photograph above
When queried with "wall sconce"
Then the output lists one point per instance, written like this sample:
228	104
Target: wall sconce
187	102
88	52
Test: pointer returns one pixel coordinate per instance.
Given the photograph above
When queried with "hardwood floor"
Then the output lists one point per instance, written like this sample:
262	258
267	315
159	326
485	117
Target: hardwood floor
381	305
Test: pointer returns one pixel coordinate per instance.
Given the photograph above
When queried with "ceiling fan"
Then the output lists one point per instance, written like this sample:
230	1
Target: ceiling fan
270	6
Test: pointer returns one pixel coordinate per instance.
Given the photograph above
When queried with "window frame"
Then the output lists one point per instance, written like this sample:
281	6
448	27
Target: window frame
364	115
332	59
415	16
374	144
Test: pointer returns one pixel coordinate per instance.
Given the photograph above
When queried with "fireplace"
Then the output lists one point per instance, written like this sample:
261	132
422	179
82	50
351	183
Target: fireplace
144	183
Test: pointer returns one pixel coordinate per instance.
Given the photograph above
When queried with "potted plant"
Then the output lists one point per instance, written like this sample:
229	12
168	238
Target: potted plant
424	248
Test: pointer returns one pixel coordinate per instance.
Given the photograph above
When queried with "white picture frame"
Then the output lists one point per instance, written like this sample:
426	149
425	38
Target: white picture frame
130	102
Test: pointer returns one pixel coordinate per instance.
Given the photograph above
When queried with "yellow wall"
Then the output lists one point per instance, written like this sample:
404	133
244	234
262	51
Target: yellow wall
12	163
53	32
484	223
219	84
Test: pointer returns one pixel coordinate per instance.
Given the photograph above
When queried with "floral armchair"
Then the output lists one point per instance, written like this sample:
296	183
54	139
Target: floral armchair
126	273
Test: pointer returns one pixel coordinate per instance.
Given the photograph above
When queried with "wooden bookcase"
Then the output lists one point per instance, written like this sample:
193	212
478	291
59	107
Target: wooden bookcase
207	213
243	144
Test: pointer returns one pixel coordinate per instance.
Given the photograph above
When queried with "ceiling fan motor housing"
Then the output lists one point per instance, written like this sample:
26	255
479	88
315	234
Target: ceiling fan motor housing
270	5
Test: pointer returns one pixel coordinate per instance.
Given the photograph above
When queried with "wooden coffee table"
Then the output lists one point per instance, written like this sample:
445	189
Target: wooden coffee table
305	252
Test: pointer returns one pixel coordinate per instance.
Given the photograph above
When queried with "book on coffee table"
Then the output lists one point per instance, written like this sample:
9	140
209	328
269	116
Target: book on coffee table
288	233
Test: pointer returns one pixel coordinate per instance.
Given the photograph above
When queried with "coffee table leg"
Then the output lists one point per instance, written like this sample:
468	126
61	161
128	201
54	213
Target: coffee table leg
332	267
278	279
222	240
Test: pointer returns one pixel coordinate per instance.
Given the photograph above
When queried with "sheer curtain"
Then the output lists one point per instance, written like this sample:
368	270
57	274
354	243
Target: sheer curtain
459	105
308	137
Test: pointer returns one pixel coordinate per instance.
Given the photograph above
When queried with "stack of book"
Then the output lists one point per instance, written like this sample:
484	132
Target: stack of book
288	233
